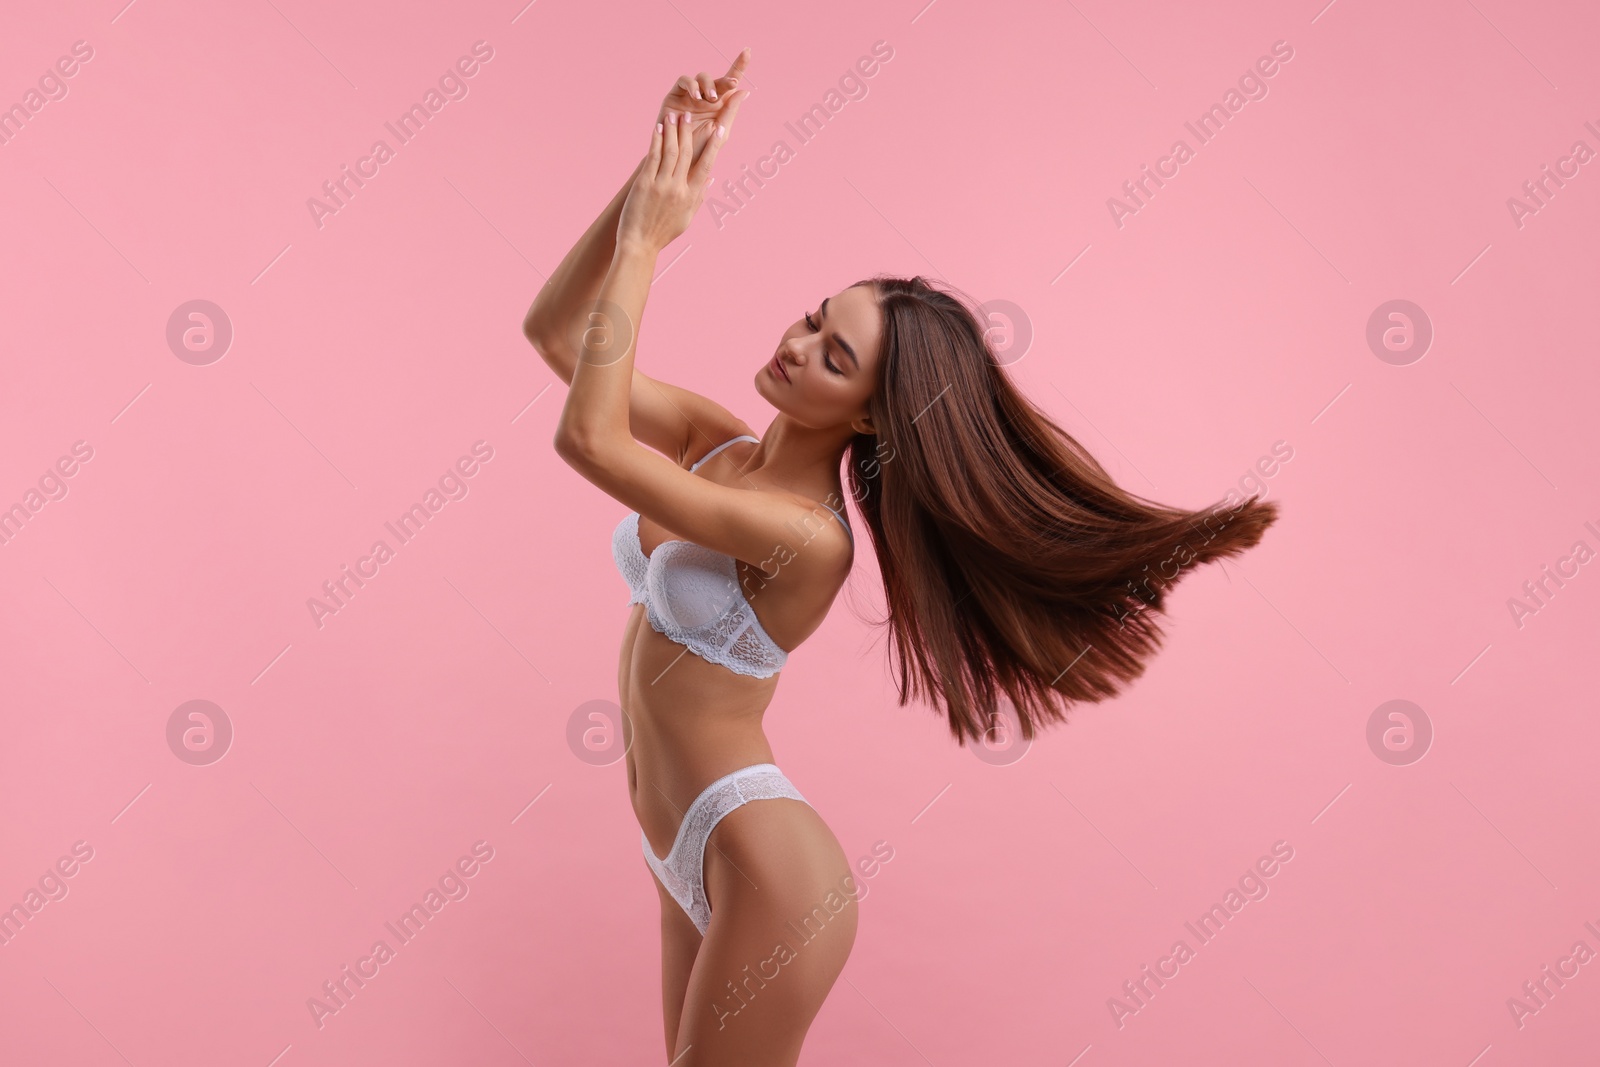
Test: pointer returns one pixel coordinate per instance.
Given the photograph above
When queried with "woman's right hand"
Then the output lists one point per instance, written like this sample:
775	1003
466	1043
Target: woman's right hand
671	182
702	99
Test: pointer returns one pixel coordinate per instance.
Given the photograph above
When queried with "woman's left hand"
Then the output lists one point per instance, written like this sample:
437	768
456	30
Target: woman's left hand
671	185
703	97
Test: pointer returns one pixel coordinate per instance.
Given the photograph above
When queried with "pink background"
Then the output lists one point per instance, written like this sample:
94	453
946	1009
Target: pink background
370	353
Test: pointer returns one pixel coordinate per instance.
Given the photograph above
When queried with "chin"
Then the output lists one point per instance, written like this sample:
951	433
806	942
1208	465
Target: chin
775	397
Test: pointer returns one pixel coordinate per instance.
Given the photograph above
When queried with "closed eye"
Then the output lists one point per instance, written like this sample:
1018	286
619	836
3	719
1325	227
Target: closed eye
827	361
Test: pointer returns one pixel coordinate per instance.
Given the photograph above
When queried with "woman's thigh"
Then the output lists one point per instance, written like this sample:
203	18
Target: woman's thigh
783	920
680	942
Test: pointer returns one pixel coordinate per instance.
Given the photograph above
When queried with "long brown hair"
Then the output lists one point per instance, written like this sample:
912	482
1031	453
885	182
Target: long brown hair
1013	566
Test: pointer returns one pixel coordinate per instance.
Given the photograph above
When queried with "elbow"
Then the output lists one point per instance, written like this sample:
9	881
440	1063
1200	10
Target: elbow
535	331
571	447
576	446
588	449
540	323
545	340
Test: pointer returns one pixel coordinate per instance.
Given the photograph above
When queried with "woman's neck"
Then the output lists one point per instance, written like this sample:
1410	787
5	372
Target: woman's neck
797	455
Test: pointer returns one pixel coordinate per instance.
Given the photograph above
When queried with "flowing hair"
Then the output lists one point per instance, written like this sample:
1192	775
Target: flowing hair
1013	566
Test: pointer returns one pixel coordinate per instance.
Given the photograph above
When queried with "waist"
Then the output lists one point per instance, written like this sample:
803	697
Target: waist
672	765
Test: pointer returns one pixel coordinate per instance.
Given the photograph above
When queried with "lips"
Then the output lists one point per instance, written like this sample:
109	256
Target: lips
779	369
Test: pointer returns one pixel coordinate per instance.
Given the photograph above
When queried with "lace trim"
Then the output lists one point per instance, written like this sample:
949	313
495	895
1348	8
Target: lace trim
734	638
629	557
683	870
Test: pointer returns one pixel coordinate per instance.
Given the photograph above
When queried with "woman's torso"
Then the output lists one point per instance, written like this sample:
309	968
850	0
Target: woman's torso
689	720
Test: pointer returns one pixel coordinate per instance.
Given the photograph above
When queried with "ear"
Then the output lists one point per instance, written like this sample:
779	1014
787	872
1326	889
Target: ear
863	425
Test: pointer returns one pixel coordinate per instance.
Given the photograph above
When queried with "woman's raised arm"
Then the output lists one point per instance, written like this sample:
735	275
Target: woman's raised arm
593	433
575	283
665	417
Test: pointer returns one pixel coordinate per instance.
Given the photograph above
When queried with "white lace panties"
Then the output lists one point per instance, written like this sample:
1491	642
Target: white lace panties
683	871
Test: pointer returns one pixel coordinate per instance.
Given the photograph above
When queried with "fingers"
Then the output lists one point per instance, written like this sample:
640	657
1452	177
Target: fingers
652	158
701	170
680	163
736	68
670	146
687	121
730	81
688	87
707	87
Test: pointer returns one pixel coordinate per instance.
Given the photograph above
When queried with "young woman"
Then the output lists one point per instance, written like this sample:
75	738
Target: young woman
1017	574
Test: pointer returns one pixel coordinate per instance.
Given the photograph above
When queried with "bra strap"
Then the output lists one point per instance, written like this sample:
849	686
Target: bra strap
842	522
719	448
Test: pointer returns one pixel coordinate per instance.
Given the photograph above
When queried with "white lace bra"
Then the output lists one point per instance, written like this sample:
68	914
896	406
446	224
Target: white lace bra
691	595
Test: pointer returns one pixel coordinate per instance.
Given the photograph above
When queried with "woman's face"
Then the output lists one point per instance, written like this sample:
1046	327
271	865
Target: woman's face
826	365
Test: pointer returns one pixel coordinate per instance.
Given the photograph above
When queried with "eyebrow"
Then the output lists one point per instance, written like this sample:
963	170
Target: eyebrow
841	341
